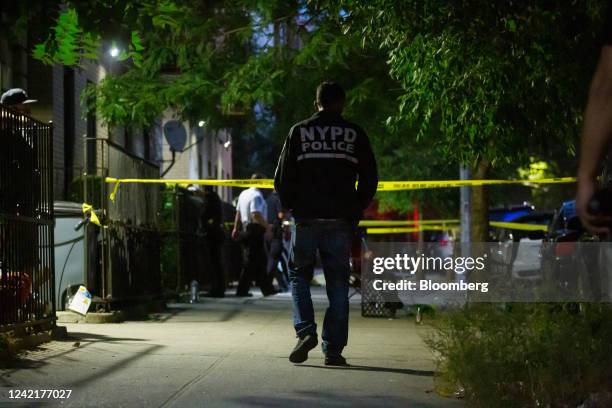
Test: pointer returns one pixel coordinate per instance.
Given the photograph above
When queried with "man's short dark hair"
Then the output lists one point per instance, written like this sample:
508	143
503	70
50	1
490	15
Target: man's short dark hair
330	94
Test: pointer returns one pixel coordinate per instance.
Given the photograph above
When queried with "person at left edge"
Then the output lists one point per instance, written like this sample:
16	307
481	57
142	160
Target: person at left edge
20	196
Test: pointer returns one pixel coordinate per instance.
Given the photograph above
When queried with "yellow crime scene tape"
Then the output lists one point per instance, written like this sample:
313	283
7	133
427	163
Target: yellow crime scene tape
404	230
89	210
382	185
398	223
261	183
420	185
395	226
519	226
387	226
382	226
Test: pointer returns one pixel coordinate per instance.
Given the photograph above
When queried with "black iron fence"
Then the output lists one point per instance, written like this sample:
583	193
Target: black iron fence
132	237
123	258
151	245
26	222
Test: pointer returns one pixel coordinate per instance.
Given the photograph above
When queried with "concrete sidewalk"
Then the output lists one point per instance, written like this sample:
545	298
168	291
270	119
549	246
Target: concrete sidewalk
230	352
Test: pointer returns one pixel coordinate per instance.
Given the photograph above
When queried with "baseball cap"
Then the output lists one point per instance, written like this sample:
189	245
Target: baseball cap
16	96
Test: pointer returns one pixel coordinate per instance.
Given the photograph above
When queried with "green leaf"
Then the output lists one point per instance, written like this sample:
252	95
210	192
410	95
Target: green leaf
511	25
136	41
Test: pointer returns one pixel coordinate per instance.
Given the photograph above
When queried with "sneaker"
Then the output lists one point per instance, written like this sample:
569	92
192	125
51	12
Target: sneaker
303	346
335	361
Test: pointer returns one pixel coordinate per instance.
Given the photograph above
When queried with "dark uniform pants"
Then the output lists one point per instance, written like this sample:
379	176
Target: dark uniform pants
255	261
333	240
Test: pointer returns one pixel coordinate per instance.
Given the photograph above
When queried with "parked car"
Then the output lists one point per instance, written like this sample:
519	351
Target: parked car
510	214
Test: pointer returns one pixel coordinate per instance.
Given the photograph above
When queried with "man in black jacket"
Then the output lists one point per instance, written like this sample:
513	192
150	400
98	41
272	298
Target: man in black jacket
322	160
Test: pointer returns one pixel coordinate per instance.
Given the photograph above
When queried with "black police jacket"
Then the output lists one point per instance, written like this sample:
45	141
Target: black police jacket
322	159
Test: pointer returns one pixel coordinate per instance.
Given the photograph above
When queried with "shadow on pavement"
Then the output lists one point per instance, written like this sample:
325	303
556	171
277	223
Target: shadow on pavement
218	312
31	360
215	316
168	314
409	371
313	399
19	363
93	338
115	367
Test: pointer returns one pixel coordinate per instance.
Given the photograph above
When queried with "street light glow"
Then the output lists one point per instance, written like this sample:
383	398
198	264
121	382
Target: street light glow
114	52
201	123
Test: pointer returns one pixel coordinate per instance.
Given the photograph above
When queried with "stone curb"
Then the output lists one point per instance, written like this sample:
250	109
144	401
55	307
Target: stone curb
71	317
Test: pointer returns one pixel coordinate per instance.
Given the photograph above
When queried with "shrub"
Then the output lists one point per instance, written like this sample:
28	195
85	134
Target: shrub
525	354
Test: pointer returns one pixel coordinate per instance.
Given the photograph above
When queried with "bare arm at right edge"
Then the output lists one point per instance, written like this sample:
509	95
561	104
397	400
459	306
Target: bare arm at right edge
596	135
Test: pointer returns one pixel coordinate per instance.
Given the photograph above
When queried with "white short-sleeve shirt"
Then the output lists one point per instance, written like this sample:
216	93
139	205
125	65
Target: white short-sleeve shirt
249	201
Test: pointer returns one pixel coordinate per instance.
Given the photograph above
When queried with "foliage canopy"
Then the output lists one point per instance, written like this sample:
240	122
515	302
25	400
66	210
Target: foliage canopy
436	83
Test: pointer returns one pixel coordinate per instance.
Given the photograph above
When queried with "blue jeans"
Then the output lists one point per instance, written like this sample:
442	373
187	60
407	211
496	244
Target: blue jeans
333	240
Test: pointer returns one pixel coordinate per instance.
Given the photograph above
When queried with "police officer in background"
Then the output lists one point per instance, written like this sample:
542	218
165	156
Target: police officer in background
211	222
251	228
321	161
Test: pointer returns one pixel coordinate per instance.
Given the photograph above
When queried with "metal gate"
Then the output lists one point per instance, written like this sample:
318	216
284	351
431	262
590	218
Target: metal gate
27	271
127	250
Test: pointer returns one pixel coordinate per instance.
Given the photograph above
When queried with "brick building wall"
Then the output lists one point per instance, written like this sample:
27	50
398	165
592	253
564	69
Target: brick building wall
71	123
